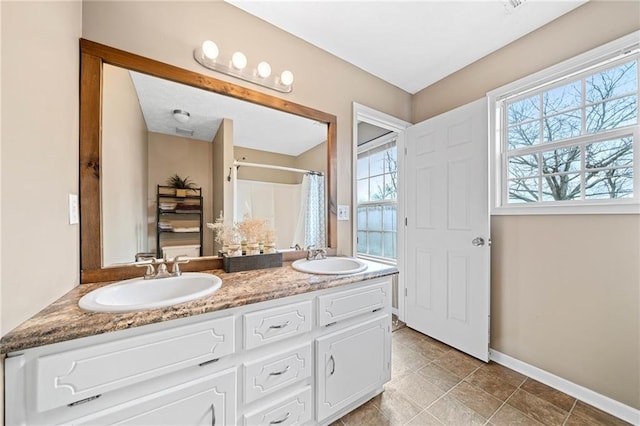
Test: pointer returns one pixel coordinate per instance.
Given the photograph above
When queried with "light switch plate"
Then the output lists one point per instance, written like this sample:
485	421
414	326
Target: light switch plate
74	214
343	212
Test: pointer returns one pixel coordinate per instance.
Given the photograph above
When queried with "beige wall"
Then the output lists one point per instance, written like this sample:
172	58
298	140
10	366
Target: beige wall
222	187
40	257
169	155
322	82
265	157
123	175
565	293
313	159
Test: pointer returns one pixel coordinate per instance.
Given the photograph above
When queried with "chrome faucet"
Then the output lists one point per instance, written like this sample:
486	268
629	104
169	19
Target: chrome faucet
157	268
316	253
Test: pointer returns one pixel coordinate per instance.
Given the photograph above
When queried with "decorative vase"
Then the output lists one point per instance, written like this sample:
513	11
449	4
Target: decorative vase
253	249
269	248
234	250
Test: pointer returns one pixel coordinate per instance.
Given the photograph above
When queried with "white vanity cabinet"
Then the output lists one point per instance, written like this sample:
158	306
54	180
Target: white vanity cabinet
303	359
352	363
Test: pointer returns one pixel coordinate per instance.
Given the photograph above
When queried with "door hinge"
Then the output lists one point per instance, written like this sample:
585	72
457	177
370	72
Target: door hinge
405	150
405	292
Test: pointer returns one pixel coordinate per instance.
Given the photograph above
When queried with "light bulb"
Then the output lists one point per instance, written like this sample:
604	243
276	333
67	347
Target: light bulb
264	69
210	49
238	60
286	77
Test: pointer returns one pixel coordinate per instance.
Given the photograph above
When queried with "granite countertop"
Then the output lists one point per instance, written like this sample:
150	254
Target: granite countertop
63	320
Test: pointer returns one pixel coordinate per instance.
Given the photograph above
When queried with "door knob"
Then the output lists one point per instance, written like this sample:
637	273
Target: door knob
477	242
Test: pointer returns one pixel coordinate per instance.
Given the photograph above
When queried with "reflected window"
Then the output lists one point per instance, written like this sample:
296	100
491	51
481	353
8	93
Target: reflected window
377	193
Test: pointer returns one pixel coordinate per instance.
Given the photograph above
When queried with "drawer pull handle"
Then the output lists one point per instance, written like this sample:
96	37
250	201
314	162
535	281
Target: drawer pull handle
333	365
278	373
283	325
213	415
211	361
282	420
82	401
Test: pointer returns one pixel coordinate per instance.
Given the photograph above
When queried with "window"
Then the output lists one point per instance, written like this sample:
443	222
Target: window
377	192
572	141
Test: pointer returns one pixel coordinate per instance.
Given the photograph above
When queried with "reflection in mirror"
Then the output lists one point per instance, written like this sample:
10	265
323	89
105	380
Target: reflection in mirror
153	129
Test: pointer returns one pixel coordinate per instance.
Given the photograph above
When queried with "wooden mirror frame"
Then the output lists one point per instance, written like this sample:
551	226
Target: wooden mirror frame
93	56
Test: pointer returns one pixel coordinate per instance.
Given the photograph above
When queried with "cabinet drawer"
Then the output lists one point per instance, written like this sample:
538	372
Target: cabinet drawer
272	325
349	303
206	401
294	410
74	375
271	373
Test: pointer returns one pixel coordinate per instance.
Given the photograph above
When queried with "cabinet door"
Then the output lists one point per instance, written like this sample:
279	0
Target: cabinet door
351	363
209	400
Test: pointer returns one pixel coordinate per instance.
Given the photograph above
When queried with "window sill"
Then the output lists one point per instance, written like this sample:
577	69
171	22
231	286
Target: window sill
384	260
630	208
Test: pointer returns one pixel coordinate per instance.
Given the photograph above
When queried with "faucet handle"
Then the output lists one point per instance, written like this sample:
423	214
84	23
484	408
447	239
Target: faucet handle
175	270
150	272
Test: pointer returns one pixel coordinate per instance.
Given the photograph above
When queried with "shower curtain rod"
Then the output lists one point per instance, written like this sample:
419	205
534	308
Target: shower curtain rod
237	163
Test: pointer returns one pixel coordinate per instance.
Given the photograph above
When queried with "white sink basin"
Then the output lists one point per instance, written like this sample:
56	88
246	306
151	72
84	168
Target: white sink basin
139	294
330	266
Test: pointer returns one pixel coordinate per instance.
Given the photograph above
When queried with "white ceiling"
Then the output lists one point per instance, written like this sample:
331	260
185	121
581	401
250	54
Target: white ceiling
254	126
411	44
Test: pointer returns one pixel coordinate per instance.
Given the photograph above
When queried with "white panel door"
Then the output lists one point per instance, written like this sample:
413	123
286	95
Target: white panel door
447	274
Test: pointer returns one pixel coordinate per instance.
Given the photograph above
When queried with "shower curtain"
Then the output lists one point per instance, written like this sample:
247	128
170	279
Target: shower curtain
313	210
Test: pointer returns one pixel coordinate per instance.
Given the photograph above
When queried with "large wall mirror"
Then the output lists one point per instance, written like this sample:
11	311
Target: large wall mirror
245	152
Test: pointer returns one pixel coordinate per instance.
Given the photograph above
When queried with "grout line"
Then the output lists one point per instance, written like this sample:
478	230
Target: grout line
507	400
570	412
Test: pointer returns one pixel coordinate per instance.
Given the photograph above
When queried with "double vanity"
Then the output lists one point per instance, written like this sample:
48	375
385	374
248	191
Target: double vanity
269	347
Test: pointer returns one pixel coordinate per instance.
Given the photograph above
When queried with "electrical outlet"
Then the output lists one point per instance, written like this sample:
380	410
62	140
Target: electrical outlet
343	212
74	214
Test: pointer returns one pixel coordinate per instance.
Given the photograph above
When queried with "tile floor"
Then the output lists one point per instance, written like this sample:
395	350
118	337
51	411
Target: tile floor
434	384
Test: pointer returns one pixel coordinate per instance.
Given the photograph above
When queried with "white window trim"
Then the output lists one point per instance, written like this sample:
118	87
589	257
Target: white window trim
559	72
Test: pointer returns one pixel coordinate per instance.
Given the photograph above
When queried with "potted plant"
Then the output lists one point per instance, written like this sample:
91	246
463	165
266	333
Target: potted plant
181	185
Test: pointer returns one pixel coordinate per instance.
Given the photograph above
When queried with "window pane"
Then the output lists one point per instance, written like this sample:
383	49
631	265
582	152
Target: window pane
390	245
389	218
363	190
391	160
376	188
561	187
561	160
562	126
376	165
612	114
363	166
524	135
390	186
362	242
617	152
613	82
524	110
375	243
614	183
523	166
523	190
375	218
362	218
562	98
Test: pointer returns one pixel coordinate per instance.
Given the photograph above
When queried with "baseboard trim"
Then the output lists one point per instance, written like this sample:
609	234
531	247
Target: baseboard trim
604	403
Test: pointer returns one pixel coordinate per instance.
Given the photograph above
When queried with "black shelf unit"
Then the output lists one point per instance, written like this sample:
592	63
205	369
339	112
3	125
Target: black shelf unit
188	207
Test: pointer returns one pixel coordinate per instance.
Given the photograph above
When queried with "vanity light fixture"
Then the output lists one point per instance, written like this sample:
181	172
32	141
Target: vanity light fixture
208	55
181	115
